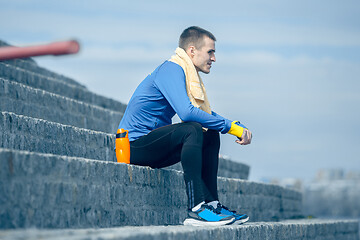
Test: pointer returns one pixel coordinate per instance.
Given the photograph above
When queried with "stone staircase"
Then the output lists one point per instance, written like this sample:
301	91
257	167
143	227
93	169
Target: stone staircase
58	170
290	229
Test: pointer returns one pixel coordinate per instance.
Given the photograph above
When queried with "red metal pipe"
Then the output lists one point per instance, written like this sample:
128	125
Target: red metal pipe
55	48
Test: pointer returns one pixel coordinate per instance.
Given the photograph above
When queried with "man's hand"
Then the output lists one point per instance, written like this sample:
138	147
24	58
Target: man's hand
241	132
245	138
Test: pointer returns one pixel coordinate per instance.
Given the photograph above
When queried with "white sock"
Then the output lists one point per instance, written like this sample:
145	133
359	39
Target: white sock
197	207
213	203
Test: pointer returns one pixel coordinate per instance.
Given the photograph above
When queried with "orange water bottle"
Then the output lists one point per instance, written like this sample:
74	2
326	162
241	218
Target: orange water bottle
122	146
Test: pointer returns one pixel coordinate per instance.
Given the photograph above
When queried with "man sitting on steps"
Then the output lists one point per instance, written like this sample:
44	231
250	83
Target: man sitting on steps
175	87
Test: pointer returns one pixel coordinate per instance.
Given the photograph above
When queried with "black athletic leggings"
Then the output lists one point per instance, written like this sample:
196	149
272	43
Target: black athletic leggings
198	152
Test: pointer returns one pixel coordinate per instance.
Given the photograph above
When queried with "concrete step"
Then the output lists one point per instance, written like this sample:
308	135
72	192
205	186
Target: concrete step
285	230
30	65
32	102
54	85
51	191
37	135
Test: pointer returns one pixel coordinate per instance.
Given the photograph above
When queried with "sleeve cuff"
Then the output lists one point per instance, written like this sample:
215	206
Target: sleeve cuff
236	129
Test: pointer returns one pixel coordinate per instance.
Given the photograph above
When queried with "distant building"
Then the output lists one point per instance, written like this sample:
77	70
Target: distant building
329	175
334	193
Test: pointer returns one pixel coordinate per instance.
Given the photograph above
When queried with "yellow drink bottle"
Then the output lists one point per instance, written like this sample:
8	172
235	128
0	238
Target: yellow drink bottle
122	146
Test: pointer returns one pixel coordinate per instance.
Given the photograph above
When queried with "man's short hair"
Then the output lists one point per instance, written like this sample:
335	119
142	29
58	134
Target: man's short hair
194	36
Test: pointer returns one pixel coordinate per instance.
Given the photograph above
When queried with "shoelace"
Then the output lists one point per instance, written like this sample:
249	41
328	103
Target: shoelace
222	206
211	208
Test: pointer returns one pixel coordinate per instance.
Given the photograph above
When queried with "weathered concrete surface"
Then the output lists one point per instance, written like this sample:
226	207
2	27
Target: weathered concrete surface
287	230
231	169
54	85
37	135
24	100
50	191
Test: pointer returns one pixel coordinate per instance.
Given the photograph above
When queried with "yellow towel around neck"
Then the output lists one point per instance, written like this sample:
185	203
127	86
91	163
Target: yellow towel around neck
194	85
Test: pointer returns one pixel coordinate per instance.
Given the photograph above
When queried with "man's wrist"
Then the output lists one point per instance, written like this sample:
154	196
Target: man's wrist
236	129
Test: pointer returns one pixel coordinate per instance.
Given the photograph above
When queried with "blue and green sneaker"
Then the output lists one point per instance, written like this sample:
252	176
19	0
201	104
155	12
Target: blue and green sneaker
239	218
208	216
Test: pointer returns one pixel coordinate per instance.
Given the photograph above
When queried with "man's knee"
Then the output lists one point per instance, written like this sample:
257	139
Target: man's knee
192	130
194	127
197	126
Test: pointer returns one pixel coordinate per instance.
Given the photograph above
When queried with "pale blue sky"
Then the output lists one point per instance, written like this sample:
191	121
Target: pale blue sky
289	70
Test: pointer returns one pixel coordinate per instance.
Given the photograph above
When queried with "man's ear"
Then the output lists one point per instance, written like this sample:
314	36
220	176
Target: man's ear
191	51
